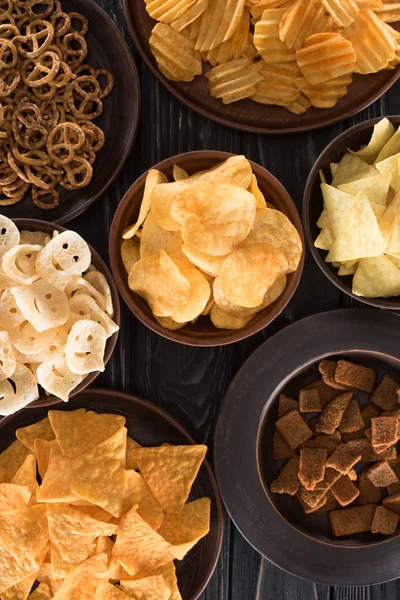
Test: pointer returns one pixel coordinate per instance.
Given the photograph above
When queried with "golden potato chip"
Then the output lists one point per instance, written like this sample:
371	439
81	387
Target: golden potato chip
153	587
278	85
84	351
376	188
7	356
42	452
84	580
224	320
235	170
83	306
27	435
232	48
218	23
351	168
138	494
130	253
158	280
11	459
19	390
44	306
199	293
161	200
167	11
389	12
9	235
274	228
154	177
301	20
169	323
99	475
190	15
107	591
57	481
234	80
373	43
250	51
56	378
185	529
19	263
267	40
257	193
376	277
175	54
138	548
391	165
368	4
206	262
326	94
245	313
178	173
155	238
26	476
382	133
13	496
42	592
325	56
170	471
344	12
299	106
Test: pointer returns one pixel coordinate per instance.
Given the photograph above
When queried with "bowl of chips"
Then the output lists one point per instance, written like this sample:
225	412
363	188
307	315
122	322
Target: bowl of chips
206	248
59	314
350	212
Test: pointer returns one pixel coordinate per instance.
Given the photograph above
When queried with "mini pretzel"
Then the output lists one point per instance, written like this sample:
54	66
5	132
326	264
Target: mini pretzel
6	7
94	136
108	87
35	158
8	54
61	23
40	178
50	114
27	114
32	4
74	57
9	83
63	141
38	193
39	35
8	31
16	168
79	172
37	72
84	25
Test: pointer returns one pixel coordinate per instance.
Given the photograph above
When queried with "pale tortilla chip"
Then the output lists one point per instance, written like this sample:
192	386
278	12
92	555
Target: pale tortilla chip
376	277
350	168
381	134
376	188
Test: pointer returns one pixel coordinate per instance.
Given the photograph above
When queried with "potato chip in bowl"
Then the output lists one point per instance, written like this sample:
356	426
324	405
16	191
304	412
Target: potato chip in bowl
57	327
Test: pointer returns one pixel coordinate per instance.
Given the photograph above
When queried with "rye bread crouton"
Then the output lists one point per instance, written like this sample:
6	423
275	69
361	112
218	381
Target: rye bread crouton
352	420
368	412
332	414
280	449
343	459
381	474
392	503
309	509
385	395
369	494
349	521
344	491
383	432
355	376
327	369
312	466
330	477
311	497
326	393
385	521
288	480
330	504
328	442
286	404
363	445
294	429
309	401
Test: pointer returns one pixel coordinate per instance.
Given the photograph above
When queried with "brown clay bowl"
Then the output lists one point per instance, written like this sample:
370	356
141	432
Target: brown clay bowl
98	262
203	332
353	138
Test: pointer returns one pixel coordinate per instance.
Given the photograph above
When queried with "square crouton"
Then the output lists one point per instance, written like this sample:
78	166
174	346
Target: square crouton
309	509
332	414
288	480
363	446
394	488
381	474
355	376
312	466
280	449
369	412
327	369
385	395
352	475
369	494
385	521
294	429
352	420
330	504
383	432
286	404
349	521
326	393
344	491
312	497
354	435
328	442
310	401
343	458
392	503
330	477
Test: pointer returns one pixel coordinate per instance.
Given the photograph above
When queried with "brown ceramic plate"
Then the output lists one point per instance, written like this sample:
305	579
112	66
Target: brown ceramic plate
246	114
301	544
107	49
36	225
150	426
202	332
353	138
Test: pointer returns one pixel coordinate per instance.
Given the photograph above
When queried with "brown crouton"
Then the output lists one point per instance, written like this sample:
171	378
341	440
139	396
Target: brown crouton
344	491
312	466
326	393
355	435
393	503
309	509
310	401
352	475
311	497
368	433
327	369
355	376
349	521
329	442
393	488
363	446
330	477
280	449
369	494
385	521
352	420
332	414
286	404
385	394
381	474
288	481
383	432
294	429
330	504
312	423
343	458
368	412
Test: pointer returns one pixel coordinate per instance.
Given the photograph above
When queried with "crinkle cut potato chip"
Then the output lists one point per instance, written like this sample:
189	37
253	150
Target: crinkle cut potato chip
325	56
234	47
218	23
266	38
175	53
191	15
343	12
278	85
234	80
167	11
301	20
326	94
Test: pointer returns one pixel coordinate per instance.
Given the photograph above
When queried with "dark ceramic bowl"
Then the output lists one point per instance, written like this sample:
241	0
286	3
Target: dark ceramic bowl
353	138
202	332
98	262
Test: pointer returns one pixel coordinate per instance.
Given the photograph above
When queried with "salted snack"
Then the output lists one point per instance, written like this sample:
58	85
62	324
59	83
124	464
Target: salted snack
105	515
49	98
360	221
209	244
349	457
56	314
294	54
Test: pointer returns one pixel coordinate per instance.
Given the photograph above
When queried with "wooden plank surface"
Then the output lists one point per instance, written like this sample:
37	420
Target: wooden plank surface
190	382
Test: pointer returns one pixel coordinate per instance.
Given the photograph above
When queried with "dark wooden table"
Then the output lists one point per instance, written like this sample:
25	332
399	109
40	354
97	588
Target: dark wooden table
190	382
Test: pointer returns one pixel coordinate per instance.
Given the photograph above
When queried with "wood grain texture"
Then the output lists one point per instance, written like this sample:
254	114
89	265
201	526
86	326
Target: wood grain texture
190	382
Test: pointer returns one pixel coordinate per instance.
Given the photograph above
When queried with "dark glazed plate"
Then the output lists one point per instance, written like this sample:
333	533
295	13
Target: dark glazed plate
150	426
298	543
246	114
107	49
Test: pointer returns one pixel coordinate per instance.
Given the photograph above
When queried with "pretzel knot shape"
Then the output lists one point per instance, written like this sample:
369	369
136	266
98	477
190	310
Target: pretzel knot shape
63	141
8	54
39	35
42	70
79	172
8	31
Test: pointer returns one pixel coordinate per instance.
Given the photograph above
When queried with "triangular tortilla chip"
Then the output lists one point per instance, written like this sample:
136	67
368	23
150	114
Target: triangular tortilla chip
138	548
11	460
114	570
391	165
83	581
130	461
375	188
381	134
99	475
170	471
45	575
78	432
42	429
324	240
26	476
56	484
391	147
376	277
336	206
72	535
13	496
359	236
42	452
168	572
387	220
137	493
153	587
350	168
42	592
107	591
20	591
183	530
96	512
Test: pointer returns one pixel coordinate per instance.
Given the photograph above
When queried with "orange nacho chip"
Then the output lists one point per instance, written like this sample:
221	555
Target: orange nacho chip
137	493
13	496
84	580
42	592
26	476
11	460
107	591
153	587
183	530
42	452
27	435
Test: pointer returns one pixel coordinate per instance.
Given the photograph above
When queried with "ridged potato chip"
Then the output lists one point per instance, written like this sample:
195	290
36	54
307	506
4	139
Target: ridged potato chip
7	356
299	106
192	14
154	177
234	47
278	85
56	378
234	81
19	263
267	40
325	56
344	12
368	4
83	306
9	235
326	94
167	11
22	391
218	23
389	12
155	238
84	351
43	305
175	54
301	20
